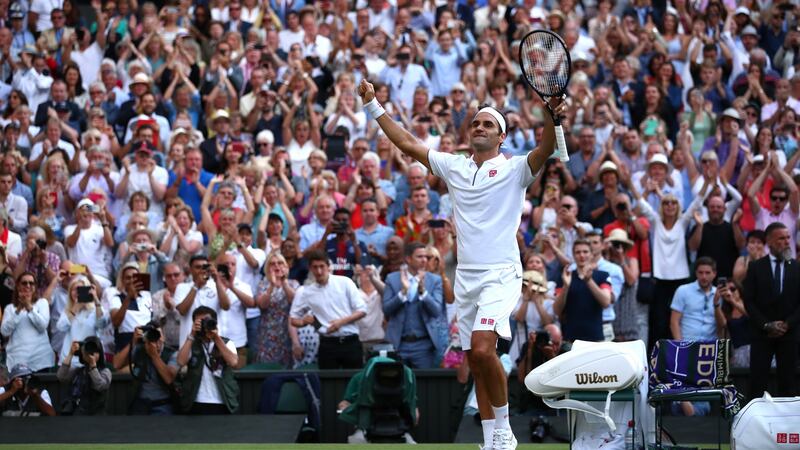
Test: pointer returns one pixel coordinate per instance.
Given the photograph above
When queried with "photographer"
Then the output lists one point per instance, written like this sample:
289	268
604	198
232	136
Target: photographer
344	250
201	290
130	303
89	383
208	387
35	259
22	397
153	367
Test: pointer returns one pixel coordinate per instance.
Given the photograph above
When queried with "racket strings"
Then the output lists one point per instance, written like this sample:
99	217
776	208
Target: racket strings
545	63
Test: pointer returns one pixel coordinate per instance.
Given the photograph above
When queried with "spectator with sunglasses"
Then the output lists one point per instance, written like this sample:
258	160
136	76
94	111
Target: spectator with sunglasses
784	201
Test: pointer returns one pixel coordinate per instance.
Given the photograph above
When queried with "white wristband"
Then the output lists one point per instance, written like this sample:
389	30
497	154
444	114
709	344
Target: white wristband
374	108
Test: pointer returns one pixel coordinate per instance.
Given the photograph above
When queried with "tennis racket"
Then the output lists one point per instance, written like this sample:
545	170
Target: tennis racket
547	66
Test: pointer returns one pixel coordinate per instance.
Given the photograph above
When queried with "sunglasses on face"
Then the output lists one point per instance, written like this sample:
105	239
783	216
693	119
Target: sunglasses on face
777	198
567	206
27	283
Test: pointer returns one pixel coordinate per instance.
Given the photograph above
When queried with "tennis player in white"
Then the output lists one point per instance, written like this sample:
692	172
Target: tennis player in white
488	191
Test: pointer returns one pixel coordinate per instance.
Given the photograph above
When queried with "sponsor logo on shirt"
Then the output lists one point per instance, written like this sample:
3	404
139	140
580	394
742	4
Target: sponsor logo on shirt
492	173
485	321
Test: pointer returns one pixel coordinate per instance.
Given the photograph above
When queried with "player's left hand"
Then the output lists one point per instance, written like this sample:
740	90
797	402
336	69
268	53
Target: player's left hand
557	106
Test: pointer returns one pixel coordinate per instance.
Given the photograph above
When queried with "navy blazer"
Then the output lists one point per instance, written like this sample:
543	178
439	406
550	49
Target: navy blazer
433	310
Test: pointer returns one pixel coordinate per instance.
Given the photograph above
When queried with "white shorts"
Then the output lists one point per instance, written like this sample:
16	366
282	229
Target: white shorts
485	300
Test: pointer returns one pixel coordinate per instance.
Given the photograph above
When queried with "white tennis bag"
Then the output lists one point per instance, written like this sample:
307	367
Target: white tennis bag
598	366
767	423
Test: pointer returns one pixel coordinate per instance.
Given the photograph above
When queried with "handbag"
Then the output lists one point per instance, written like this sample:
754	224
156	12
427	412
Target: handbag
645	290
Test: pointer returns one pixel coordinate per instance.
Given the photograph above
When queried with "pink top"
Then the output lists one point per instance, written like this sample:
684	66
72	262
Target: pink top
787	217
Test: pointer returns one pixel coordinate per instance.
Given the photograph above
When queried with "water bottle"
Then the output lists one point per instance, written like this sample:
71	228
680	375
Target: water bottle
629	434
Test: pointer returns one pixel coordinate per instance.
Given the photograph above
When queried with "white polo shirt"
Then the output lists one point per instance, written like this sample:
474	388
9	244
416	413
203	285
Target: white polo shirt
133	318
205	296
487	206
249	275
337	299
231	321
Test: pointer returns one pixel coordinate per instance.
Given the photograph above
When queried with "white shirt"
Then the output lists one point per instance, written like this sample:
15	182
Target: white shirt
34	85
132	318
27	336
45	397
82	325
487	206
205	296
43	8
192	235
89	63
13	244
139	180
38	148
94	182
17	209
287	38
208	391
670	261
298	156
88	249
249	275
231	322
321	48
164	128
337	299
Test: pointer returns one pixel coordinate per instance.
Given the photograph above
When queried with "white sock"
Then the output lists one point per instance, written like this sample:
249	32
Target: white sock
488	428
501	417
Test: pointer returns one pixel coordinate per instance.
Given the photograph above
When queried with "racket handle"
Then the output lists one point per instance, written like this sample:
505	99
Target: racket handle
561	144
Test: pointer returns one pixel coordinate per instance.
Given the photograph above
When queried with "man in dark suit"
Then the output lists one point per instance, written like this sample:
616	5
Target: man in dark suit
771	291
214	147
66	110
236	23
413	307
627	90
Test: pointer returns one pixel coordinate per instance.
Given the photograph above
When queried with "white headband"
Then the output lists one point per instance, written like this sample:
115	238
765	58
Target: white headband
496	115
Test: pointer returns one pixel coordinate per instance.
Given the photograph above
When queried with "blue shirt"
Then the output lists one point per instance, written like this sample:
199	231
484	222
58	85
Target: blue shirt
378	238
446	66
189	193
403	84
698	322
311	233
343	256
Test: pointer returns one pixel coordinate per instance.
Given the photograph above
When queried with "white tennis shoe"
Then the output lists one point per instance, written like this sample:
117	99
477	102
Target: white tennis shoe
503	439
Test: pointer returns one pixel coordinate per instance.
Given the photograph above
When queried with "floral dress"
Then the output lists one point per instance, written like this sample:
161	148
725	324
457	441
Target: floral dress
273	344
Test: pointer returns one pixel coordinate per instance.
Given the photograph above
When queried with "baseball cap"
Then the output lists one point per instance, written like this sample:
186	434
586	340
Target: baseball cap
658	158
85	202
143	147
458	86
751	30
220	114
743	10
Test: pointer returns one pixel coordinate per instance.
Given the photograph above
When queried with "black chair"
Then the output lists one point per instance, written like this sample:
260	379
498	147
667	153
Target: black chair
390	414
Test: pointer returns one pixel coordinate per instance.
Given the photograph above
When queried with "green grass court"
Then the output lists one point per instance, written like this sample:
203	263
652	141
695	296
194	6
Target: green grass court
263	447
276	447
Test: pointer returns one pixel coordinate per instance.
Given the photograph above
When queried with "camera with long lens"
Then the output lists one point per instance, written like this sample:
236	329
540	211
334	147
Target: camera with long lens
151	332
208	324
86	348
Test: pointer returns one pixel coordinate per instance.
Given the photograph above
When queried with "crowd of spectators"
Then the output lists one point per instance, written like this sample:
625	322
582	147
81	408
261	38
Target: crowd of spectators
188	188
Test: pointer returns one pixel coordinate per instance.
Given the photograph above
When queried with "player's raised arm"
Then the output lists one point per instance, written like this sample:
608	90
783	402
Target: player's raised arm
546	147
405	141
